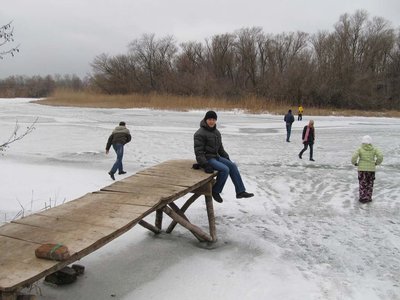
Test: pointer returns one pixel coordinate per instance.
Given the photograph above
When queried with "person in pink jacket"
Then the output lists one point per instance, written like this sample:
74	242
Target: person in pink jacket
308	138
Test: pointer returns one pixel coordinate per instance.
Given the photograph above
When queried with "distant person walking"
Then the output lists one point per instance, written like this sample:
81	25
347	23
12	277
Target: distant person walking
300	113
118	138
308	137
289	119
211	155
367	157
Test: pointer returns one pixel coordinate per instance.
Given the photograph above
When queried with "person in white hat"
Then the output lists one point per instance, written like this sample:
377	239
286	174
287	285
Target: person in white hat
367	157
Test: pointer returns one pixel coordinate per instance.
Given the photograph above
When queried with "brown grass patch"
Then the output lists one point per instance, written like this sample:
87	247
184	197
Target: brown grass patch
172	102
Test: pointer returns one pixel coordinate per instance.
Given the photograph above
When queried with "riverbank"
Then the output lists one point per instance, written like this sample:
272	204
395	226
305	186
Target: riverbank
180	103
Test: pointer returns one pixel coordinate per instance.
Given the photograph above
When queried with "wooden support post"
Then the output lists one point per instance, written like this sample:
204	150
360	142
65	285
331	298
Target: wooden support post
149	226
159	217
26	297
205	189
197	232
178	210
211	218
184	207
8	295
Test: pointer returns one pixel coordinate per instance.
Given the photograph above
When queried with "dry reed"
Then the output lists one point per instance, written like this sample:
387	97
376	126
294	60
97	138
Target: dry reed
249	104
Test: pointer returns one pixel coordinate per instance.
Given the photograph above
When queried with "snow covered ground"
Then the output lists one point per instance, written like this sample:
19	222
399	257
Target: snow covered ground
303	236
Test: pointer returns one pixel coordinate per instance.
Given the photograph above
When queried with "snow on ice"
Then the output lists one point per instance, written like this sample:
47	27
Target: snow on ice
303	236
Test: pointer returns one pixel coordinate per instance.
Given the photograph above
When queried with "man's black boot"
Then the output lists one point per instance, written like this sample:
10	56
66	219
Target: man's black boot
111	175
217	197
244	195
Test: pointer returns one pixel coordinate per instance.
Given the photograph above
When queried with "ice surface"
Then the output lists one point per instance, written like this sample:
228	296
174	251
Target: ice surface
303	236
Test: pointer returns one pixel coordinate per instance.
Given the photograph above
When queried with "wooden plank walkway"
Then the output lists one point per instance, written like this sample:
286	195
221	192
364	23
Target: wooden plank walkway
89	222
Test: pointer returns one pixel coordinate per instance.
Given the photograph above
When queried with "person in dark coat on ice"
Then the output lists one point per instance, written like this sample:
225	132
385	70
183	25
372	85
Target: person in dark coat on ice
118	138
289	119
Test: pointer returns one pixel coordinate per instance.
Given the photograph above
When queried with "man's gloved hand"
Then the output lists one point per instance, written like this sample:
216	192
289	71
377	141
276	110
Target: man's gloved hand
208	168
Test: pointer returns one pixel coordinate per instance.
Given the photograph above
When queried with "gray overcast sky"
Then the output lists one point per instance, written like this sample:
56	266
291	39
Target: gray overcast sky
64	36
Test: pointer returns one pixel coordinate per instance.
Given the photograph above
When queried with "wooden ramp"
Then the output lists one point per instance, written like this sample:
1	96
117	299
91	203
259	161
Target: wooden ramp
90	222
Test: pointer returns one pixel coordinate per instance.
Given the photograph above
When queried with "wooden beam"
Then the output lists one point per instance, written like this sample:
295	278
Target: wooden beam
8	295
197	232
178	210
184	207
149	226
211	218
205	189
159	218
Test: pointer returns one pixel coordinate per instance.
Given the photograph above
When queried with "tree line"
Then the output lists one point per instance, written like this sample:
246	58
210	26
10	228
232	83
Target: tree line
357	65
39	86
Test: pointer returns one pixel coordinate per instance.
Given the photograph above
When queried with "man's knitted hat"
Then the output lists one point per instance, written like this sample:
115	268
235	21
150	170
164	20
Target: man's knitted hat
210	115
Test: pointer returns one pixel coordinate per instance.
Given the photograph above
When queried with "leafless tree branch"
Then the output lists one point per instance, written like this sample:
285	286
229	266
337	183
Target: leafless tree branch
15	136
7	36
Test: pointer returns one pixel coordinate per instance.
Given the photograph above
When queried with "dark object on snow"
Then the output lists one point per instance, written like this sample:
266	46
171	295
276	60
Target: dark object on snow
79	269
66	275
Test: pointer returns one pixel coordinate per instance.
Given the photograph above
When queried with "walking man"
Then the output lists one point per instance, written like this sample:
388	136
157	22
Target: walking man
289	119
118	138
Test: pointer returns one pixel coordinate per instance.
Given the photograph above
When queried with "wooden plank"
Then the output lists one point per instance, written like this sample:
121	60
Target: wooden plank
94	203
158	190
177	168
184	164
155	180
178	172
62	225
18	262
148	199
141	184
95	219
193	174
80	237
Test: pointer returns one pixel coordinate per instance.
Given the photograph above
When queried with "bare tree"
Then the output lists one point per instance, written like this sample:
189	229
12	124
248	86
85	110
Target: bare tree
7	36
16	135
247	55
116	74
154	57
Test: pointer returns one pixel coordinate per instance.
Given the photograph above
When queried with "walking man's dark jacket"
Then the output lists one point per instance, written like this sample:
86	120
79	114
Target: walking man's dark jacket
289	118
120	135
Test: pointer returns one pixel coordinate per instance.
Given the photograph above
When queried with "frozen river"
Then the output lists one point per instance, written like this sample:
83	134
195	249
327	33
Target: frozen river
303	236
